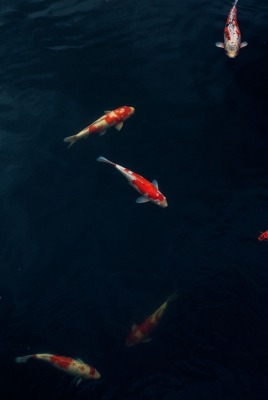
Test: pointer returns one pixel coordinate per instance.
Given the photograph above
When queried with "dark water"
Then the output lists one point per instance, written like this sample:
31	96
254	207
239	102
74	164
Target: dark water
80	260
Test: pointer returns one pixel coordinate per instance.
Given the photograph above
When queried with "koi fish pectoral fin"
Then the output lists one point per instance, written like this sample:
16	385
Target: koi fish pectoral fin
141	200
103	132
219	44
119	126
243	44
155	183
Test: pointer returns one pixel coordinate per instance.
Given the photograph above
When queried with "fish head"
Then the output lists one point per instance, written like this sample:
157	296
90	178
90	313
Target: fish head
128	112
163	203
160	200
94	374
232	49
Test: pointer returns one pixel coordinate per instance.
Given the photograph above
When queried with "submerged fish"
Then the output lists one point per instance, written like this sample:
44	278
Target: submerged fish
141	333
71	366
263	236
232	35
148	190
111	118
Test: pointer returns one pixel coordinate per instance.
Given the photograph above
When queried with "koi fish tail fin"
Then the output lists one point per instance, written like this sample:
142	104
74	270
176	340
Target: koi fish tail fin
71	140
172	297
103	159
23	359
235	3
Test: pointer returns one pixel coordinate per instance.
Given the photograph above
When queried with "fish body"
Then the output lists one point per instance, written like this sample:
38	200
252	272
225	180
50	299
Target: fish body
74	367
232	35
149	190
263	236
141	333
110	118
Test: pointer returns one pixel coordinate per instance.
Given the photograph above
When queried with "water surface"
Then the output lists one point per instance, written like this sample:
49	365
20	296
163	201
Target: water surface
80	260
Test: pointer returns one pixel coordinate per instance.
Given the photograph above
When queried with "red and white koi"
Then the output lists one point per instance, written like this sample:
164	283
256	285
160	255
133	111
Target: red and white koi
263	236
111	118
232	35
73	367
141	333
148	190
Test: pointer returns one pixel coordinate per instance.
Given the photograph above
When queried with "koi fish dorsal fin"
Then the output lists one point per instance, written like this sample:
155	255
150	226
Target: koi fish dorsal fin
219	44
107	111
79	359
155	183
141	200
119	126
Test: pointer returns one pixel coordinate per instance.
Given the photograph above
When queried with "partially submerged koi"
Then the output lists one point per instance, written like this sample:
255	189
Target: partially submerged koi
141	333
74	367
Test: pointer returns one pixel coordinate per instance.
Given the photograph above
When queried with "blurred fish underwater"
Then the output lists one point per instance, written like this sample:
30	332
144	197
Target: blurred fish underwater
80	260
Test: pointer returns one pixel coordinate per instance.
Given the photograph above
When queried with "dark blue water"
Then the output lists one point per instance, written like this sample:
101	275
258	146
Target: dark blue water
80	260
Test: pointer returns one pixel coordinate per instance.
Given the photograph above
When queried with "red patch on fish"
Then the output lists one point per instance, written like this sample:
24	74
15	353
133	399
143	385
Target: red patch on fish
147	326
263	236
227	33
92	128
63	362
109	119
146	187
119	115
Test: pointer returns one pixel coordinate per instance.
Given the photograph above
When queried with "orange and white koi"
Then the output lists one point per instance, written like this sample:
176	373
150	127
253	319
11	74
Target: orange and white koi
111	118
148	190
71	366
232	35
141	333
263	236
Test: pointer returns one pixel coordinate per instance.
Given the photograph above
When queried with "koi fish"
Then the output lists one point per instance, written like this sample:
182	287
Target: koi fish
141	333
263	236
148	190
111	118
232	35
71	366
